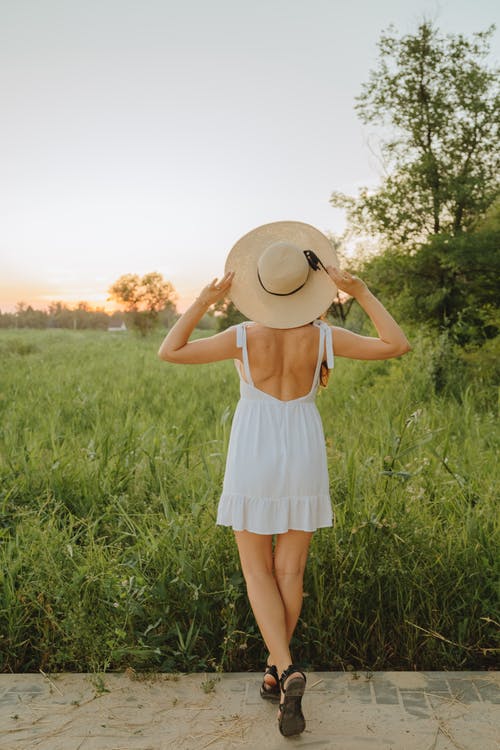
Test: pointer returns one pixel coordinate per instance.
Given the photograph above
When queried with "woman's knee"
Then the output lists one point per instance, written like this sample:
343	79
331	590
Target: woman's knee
289	570
255	553
291	555
257	576
290	565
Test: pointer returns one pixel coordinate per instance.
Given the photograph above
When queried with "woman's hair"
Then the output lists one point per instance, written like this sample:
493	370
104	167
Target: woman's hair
324	374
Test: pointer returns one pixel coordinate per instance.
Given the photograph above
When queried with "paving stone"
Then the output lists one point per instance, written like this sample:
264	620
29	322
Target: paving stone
27	688
463	690
386	694
360	692
438	685
326	684
237	685
415	702
488	690
437	691
251	696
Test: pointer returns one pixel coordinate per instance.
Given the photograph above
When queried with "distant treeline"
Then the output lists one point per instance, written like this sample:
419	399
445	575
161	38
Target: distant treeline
59	315
83	316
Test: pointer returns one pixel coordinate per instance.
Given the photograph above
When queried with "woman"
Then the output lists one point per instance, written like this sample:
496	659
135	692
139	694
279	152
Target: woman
282	276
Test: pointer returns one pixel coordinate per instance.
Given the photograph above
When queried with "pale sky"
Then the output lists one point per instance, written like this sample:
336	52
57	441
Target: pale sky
149	135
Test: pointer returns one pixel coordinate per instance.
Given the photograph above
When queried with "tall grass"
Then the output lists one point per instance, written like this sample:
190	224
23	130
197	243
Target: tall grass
111	469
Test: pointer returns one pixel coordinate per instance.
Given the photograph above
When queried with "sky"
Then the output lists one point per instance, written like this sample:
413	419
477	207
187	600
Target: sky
149	135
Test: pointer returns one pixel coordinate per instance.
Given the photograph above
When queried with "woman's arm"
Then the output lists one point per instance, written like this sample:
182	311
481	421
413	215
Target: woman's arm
391	342
176	347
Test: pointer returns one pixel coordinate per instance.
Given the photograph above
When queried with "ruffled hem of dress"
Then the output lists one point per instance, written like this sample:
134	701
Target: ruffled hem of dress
274	515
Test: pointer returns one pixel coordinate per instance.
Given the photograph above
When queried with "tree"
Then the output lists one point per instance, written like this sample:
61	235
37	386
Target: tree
60	315
144	298
85	316
27	317
228	315
440	104
450	282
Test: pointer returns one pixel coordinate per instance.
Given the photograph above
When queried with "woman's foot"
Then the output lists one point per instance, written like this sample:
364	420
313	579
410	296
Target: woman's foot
270	689
290	718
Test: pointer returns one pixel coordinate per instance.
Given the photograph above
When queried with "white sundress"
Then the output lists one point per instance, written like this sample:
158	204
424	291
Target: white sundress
276	475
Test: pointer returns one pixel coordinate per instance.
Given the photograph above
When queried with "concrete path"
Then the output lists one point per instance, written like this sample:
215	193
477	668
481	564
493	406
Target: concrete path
344	711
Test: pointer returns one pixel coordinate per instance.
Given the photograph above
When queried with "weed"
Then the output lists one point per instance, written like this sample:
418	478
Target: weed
208	685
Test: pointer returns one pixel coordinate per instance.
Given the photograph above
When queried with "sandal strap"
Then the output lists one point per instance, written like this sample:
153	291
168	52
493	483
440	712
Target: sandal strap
287	672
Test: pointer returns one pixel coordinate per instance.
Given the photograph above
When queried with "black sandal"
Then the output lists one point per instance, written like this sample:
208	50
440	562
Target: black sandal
291	719
271	692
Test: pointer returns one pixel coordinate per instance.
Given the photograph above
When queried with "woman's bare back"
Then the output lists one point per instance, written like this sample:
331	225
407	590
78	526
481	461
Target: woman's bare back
282	361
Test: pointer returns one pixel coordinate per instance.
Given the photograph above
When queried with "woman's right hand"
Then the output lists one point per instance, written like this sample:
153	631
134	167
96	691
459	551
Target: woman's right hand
216	290
352	285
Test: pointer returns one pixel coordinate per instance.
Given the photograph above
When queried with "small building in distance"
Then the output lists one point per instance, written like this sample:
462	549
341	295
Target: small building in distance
121	327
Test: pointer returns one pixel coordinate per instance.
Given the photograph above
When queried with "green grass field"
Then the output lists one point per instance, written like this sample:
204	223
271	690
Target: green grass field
111	465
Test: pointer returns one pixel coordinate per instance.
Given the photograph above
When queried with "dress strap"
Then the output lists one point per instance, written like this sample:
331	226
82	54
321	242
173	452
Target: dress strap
241	343
321	348
328	339
330	360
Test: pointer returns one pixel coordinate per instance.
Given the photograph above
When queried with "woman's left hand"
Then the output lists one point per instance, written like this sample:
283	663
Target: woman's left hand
216	290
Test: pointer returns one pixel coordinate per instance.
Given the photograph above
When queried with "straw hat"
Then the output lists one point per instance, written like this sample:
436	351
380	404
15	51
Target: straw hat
279	274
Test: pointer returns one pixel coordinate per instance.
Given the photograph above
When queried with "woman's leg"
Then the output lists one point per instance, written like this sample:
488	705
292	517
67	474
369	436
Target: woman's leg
290	557
256	558
275	596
